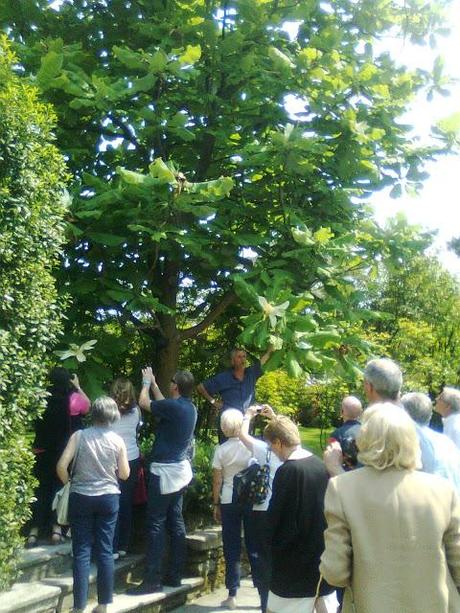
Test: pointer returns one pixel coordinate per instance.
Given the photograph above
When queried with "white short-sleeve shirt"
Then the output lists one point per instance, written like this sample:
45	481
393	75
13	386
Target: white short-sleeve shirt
231	457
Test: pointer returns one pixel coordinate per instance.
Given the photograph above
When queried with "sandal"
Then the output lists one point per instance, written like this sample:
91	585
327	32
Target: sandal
31	541
57	538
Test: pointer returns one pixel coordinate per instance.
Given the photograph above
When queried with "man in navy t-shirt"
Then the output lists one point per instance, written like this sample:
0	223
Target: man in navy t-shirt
169	473
237	385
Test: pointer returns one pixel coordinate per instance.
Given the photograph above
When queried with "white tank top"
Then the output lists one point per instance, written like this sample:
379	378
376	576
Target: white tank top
126	427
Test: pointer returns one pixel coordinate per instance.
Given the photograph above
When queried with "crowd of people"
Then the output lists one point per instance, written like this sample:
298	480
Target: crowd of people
354	532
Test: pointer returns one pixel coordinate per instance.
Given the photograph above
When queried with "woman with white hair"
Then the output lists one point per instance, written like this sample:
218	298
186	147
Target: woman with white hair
99	456
393	535
229	459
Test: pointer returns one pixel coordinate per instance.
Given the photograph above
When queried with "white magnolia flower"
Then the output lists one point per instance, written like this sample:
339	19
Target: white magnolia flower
75	351
272	311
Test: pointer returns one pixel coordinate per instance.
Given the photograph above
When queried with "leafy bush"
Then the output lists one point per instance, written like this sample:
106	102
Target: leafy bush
198	499
284	393
32	175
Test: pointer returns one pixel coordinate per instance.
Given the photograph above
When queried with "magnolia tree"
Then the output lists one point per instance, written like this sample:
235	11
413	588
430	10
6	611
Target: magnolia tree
222	153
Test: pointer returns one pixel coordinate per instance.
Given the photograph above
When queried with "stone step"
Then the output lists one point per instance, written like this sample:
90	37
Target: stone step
31	597
170	598
44	561
124	570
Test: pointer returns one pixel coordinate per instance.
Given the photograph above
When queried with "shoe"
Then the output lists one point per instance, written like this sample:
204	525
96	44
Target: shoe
116	555
229	603
122	553
31	541
171	582
144	588
57	538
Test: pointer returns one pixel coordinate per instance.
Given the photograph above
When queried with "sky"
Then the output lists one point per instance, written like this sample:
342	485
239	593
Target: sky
437	206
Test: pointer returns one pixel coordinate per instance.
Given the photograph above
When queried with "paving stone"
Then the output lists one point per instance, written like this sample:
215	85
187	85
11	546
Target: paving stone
31	597
247	601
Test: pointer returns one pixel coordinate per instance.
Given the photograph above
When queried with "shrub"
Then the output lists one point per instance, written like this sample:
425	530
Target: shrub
198	498
284	393
32	176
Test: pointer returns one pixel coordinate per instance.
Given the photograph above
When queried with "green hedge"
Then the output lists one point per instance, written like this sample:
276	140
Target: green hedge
32	177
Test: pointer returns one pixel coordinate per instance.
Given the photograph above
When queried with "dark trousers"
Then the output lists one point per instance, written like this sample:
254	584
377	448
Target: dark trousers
255	524
43	516
259	552
93	520
123	529
164	514
233	518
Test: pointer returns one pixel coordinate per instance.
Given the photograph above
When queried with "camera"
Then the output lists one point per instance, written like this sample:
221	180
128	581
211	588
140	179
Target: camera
350	452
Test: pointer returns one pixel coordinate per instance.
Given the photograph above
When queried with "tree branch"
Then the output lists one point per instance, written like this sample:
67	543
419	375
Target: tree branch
210	318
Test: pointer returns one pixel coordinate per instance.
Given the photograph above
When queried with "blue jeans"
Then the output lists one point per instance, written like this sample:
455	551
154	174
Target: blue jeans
164	513
92	520
233	517
123	528
257	530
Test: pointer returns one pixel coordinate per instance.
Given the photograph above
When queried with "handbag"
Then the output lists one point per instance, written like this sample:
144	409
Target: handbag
61	498
251	485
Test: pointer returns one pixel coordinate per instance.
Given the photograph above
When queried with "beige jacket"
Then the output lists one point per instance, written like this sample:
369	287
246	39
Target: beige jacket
394	537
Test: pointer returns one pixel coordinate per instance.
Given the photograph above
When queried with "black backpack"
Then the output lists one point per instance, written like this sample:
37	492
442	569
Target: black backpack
251	485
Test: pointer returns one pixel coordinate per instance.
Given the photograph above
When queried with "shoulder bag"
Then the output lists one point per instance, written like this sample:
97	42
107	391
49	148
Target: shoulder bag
61	498
251	485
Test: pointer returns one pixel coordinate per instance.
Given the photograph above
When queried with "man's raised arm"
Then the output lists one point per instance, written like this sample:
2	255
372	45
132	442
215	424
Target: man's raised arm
148	382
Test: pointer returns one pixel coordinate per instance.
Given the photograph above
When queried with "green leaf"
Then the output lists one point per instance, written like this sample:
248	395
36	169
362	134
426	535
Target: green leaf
191	54
112	240
323	236
160	170
293	367
158	61
323	338
129	58
50	67
303	237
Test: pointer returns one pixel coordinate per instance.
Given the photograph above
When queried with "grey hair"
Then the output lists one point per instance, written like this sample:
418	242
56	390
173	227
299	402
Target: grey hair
185	382
385	376
230	422
419	407
451	396
104	411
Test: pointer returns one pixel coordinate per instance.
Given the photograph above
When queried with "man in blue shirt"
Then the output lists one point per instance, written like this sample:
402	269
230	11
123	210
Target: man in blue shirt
169	474
237	385
440	456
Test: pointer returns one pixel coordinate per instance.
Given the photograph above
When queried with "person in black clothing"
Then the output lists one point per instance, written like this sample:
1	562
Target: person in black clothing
351	411
297	523
52	432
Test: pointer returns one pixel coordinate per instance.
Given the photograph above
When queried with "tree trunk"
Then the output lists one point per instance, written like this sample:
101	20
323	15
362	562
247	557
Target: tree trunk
167	364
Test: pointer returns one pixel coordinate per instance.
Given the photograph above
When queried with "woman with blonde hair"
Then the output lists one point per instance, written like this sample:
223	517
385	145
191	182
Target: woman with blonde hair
122	391
393	535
